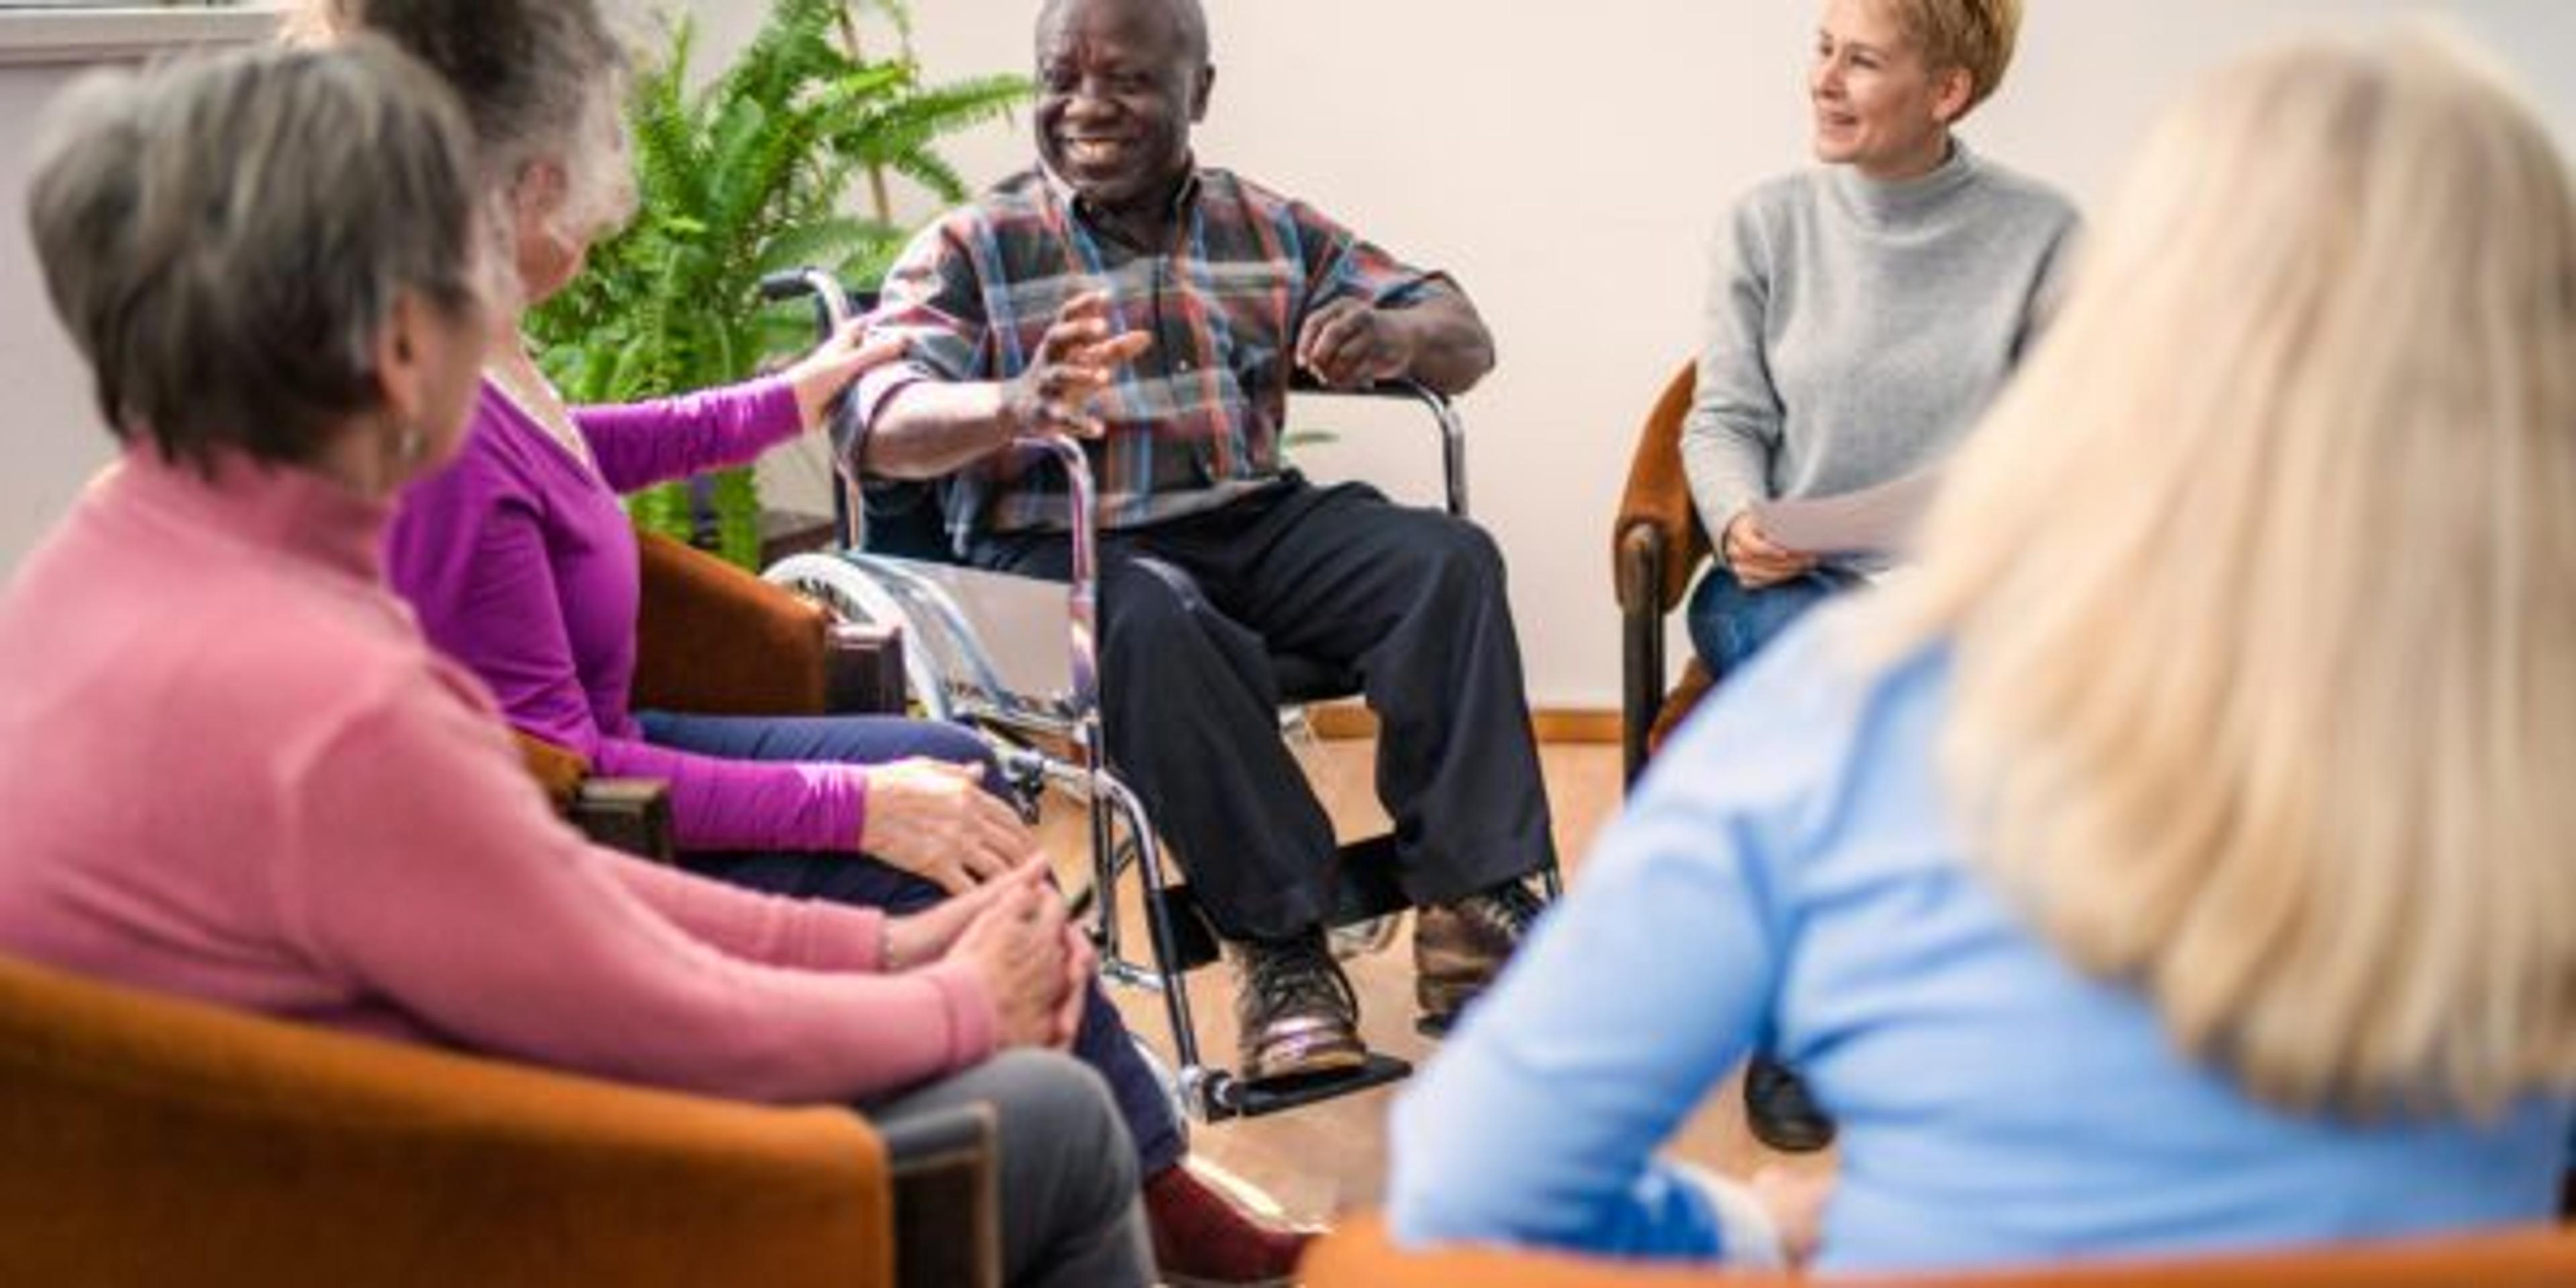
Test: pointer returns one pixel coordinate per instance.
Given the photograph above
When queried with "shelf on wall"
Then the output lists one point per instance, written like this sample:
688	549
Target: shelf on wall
90	33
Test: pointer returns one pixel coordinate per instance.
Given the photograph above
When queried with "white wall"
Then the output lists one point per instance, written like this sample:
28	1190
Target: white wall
53	440
1565	162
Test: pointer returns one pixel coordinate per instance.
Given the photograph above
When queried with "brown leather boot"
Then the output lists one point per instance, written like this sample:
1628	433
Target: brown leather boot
1295	1011
1458	948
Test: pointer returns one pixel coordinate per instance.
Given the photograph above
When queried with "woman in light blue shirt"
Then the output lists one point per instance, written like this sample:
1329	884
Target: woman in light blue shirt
2180	862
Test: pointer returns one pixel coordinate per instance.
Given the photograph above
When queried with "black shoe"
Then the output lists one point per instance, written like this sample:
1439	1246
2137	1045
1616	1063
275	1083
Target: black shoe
1458	949
1296	1013
1778	1109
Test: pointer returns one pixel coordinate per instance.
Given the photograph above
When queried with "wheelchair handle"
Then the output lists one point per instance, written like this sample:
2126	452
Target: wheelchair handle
833	309
1082	524
1453	430
1453	437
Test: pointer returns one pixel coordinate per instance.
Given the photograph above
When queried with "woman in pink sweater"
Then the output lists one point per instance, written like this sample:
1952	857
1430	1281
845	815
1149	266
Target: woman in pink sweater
521	564
231	768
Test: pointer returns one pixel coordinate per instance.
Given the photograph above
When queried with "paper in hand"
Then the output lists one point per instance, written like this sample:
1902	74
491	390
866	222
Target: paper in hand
1873	521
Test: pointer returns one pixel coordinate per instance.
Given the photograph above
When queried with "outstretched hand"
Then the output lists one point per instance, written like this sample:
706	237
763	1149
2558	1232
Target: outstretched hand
1077	359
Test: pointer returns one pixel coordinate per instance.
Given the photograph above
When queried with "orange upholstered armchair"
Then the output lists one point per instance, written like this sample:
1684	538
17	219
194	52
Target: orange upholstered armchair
713	639
145	1140
1358	1256
1656	545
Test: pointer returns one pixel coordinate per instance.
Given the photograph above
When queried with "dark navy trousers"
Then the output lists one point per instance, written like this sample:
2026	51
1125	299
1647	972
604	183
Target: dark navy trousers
1410	601
1102	1042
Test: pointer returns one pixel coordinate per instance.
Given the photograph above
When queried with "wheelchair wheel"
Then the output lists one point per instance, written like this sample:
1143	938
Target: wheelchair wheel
850	594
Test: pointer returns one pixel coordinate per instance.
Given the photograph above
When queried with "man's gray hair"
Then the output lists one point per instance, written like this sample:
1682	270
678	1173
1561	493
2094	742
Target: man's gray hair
1188	15
225	239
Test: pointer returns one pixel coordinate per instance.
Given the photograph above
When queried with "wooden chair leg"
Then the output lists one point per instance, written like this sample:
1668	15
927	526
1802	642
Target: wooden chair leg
1641	668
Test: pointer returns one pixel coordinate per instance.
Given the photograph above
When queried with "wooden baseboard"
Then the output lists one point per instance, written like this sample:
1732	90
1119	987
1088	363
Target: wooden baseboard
1573	725
1341	720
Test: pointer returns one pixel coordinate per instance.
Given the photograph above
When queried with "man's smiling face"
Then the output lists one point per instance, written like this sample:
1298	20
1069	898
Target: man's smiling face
1120	82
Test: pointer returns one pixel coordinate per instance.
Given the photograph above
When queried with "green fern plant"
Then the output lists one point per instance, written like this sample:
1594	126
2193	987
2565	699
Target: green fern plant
752	174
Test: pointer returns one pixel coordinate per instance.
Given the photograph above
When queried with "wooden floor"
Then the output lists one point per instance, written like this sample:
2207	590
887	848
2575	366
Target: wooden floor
1324	1159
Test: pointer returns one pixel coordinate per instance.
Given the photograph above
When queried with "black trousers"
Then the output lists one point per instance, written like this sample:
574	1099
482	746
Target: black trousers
1410	600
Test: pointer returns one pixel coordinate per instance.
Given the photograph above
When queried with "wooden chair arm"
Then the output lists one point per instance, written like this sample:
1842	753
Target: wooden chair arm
629	814
1658	500
1642	555
863	669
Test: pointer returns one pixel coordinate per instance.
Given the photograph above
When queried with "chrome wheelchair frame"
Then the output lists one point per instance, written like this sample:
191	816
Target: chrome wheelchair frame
953	671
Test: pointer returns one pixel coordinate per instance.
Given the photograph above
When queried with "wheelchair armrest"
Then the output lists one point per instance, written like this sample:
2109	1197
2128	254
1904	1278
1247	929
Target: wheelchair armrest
1658	499
947	1205
1444	415
1303	382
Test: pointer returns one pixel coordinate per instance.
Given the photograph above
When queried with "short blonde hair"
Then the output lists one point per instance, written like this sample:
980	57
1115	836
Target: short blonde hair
1974	35
2261	585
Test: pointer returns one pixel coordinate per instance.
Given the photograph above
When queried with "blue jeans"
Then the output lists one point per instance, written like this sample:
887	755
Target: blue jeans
1102	1042
1729	624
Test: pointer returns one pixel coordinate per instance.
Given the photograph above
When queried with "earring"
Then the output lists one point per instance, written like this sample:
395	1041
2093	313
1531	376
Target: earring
408	442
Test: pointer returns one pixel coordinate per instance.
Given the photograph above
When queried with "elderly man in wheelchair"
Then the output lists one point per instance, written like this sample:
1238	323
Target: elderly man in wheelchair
1157	311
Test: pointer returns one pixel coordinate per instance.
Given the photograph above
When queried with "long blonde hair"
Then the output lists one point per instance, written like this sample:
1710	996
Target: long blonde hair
2261	581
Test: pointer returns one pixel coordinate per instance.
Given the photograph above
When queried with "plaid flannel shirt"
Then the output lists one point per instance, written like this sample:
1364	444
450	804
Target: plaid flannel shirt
1192	424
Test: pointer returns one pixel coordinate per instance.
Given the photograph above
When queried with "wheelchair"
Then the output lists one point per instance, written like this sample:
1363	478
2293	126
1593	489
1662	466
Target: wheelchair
1014	658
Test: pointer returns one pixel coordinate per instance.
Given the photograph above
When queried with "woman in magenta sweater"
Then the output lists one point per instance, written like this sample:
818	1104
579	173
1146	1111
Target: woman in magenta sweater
232	769
522	565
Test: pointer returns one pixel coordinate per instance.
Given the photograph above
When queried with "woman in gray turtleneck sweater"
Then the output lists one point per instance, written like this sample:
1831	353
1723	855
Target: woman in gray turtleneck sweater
1861	313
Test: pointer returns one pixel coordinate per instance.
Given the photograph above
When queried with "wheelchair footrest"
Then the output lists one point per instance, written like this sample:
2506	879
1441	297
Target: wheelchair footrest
1229	1098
